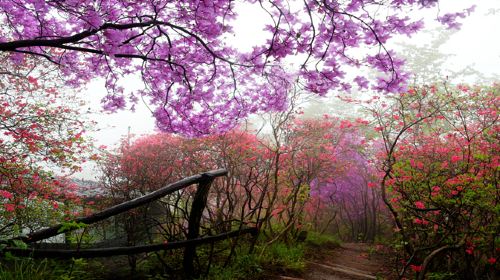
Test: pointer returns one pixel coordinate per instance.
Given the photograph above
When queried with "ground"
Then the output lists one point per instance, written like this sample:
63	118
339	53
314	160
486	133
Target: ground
350	261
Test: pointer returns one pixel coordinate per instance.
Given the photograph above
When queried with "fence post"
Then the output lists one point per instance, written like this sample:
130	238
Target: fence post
199	203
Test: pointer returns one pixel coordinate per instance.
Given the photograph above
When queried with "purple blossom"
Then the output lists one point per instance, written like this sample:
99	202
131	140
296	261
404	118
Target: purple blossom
450	19
196	82
362	82
113	103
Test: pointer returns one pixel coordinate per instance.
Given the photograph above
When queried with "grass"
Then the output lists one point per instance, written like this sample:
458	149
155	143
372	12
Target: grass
318	239
441	276
15	268
284	256
277	258
28	269
243	266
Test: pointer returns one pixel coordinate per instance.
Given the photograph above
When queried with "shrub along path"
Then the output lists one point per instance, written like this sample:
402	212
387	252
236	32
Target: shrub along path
349	261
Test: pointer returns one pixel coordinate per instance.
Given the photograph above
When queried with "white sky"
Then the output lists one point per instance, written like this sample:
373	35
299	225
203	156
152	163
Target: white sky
477	44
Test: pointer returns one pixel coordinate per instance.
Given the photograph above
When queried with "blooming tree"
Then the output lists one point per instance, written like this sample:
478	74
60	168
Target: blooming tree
441	176
37	132
326	169
197	82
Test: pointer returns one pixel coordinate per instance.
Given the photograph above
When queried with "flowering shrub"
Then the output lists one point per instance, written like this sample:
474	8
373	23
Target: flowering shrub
441	172
38	132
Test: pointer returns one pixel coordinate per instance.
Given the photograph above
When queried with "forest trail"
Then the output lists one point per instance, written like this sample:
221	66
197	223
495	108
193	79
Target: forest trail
349	261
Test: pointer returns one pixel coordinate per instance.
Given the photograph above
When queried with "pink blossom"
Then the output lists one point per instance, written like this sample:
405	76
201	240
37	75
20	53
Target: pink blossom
455	158
6	194
9	207
416	268
419	205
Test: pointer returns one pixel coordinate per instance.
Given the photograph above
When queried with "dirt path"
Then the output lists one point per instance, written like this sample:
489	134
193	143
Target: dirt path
350	261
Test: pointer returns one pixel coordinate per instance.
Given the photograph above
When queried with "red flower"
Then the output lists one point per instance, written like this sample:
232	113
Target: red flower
420	205
455	158
9	207
492	260
6	194
416	268
33	80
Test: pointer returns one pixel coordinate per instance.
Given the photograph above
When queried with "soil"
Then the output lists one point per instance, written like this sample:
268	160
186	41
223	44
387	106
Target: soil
350	261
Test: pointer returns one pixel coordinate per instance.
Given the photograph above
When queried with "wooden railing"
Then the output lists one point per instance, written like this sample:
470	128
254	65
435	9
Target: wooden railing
193	239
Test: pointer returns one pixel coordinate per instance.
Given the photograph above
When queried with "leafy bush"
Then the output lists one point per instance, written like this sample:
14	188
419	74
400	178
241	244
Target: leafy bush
319	239
15	268
29	269
243	266
441	276
284	256
275	257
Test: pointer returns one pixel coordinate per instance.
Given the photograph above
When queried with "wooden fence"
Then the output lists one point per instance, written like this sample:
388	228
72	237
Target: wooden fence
193	239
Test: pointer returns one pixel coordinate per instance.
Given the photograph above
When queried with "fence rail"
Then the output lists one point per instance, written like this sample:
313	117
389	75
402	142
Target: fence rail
204	181
125	206
117	251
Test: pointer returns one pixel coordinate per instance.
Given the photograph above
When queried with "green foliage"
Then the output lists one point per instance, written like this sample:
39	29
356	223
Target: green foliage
73	225
21	269
285	256
14	268
372	250
243	266
320	239
277	257
19	244
441	276
78	269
